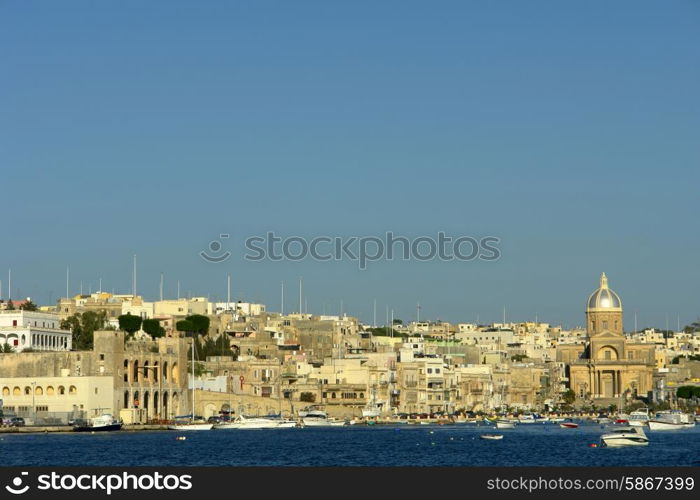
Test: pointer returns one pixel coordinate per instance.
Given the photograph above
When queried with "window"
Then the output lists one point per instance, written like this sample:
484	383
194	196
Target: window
102	357
42	408
605	325
430	370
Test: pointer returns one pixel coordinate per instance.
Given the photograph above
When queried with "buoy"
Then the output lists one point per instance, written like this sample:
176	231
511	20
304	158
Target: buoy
181	438
593	445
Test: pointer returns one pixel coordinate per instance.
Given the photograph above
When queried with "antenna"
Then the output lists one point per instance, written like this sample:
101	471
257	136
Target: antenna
300	294
418	312
161	287
133	282
101	285
374	318
635	321
228	291
341	308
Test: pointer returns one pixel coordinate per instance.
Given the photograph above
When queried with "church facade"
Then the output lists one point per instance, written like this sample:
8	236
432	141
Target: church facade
609	365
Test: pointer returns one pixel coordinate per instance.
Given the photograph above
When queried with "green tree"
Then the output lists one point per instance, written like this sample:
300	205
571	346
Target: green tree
200	323
569	396
10	305
29	306
184	325
6	348
517	358
129	323
83	326
153	328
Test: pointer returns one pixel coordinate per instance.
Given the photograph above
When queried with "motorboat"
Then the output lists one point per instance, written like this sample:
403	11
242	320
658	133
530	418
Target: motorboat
625	436
243	422
505	424
311	411
568	424
527	418
315	421
671	420
639	418
104	423
494	437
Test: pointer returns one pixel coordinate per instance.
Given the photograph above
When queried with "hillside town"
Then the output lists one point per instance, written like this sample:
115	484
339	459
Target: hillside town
121	354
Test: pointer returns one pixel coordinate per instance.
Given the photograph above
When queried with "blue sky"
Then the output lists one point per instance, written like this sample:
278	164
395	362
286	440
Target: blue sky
568	130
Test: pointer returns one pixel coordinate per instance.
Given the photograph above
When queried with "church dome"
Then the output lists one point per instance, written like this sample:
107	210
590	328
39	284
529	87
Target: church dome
604	297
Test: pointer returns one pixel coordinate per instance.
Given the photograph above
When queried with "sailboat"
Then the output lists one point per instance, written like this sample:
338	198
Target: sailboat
192	425
372	409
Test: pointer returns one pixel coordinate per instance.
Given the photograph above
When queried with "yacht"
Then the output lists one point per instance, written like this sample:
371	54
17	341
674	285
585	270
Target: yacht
639	418
671	420
526	418
319	418
243	422
625	436
103	423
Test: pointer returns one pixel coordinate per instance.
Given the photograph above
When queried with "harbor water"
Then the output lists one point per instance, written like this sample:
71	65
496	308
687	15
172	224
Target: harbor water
381	445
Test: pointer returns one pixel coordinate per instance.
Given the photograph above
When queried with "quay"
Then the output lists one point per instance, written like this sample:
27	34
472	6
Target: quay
34	429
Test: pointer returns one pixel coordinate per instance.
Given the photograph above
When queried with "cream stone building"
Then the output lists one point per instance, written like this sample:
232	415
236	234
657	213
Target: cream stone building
71	397
609	365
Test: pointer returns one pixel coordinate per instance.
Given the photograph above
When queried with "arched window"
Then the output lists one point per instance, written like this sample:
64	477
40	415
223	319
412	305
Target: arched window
135	377
72	390
39	391
61	390
5	391
50	391
27	391
16	391
165	370
126	370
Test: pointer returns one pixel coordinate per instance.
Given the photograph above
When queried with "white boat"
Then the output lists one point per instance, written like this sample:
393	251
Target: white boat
243	422
671	420
625	436
321	422
193	424
639	418
505	424
372	409
527	418
104	423
491	436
